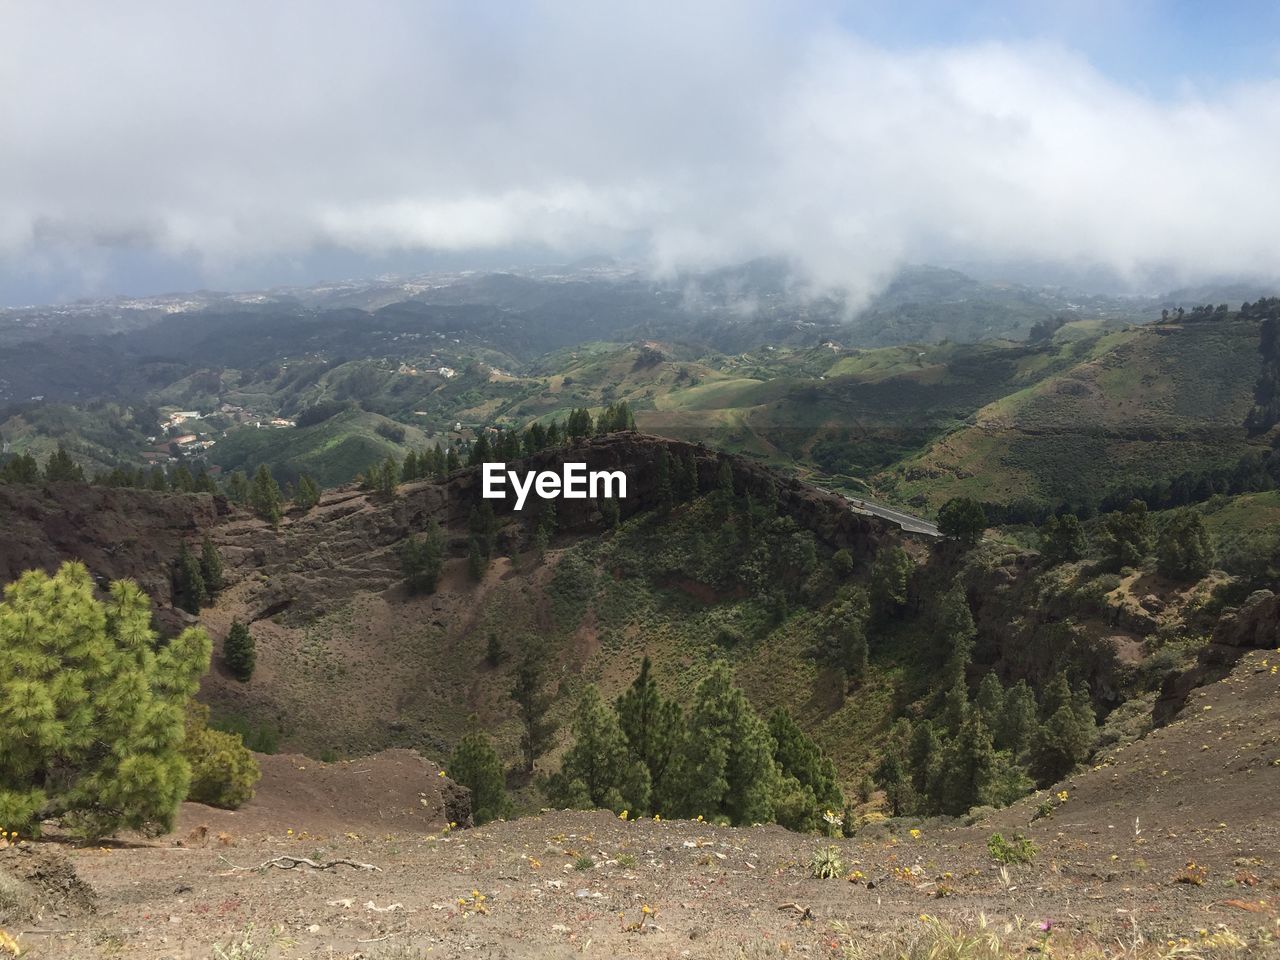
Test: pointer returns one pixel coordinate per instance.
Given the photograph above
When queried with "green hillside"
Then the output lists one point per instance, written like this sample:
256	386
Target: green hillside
332	452
1143	404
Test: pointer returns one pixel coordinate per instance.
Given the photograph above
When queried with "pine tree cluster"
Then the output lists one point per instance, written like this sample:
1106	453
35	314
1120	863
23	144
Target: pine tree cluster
720	760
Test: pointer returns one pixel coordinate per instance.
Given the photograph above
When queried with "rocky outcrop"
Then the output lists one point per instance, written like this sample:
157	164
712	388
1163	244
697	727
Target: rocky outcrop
116	533
1252	626
1255	624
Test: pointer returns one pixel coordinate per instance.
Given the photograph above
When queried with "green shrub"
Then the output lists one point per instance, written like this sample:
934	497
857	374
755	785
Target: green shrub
223	771
260	738
1018	850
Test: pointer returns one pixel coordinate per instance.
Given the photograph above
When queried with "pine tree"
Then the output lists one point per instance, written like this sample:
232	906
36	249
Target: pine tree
476	563
971	767
203	482
1067	734
1056	695
724	483
476	765
685	477
386	477
480	452
799	759
990	699
210	567
238	487
308	492
1062	539
422	560
731	774
955	633
452	461
494	653
1185	550
609	512
528	690
955	707
691	476
664	492
547	517
579	424
157	481
182	481
1018	720
265	496
890	577
189	587
535	438
410	469
61	468
846	634
91	707
894	771
842	566
21	469
240	651
654	729
598	770
1126	539
483	526
436	462
962	519
924	759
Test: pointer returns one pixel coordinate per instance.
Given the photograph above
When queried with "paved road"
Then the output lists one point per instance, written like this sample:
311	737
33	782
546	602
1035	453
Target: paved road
909	523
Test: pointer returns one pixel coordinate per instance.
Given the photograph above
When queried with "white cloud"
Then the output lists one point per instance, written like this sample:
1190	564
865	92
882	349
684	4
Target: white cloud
711	132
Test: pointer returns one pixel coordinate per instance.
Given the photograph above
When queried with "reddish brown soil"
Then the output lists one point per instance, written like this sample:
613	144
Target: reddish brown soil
1107	871
395	791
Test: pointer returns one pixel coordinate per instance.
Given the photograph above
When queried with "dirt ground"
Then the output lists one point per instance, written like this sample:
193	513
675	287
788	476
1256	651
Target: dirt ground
1173	842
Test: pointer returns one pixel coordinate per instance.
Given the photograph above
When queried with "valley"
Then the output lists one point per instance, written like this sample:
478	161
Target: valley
943	590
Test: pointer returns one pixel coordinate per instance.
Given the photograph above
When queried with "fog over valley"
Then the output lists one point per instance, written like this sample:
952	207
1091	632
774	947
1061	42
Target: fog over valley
176	147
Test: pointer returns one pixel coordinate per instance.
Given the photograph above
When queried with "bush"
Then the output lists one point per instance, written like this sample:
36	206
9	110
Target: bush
1018	850
258	737
223	771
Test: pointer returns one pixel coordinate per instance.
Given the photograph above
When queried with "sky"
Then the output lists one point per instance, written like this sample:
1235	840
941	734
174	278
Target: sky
159	146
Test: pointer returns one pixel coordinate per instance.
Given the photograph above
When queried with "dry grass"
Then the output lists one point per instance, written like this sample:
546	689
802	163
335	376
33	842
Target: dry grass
980	939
